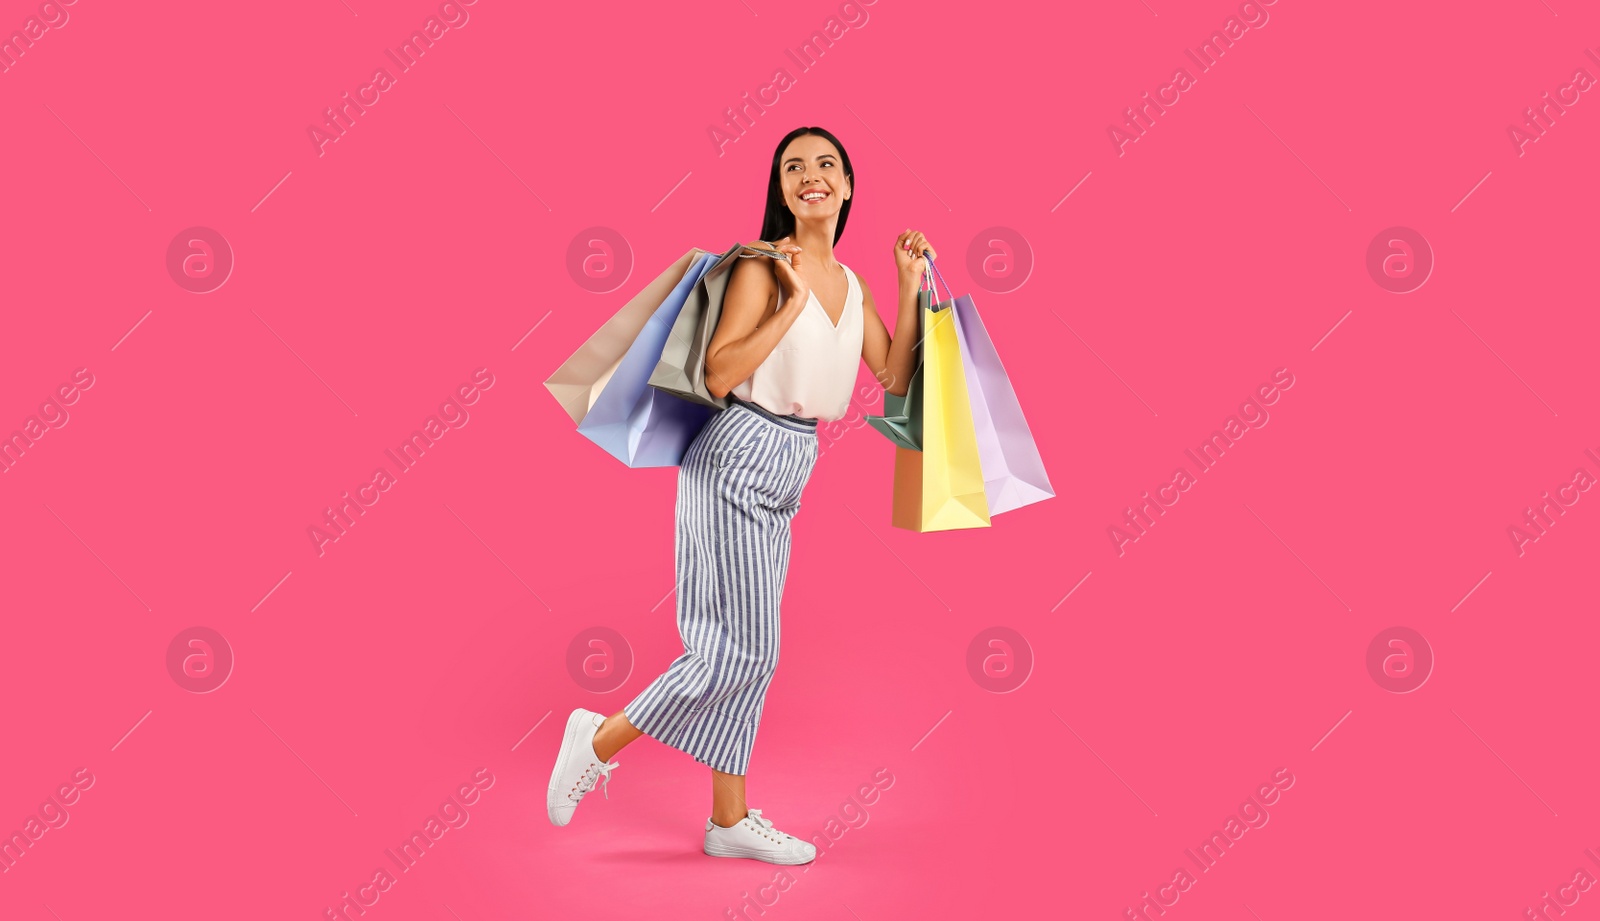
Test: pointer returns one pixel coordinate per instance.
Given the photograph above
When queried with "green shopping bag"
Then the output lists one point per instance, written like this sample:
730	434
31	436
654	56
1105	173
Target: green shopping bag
901	421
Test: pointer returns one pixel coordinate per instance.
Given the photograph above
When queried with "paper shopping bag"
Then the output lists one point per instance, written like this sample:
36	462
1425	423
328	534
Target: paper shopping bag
682	368
948	492
1013	472
634	422
901	421
578	382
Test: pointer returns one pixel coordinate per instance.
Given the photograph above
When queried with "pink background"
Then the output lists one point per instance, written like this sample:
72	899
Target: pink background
372	681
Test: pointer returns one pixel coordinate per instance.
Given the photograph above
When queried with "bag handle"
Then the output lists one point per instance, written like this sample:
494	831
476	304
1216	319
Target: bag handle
932	265
761	252
928	277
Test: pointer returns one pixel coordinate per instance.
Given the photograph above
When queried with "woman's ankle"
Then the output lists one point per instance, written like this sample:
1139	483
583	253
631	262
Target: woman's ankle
604	746
728	821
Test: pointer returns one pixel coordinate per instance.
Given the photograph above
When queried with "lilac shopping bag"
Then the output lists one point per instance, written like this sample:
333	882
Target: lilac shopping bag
1013	472
581	378
634	422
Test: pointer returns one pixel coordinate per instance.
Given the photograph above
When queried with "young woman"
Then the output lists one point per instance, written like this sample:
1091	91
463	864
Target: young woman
785	351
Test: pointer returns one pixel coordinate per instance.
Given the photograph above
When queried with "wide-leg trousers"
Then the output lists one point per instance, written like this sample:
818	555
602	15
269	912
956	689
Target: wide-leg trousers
738	489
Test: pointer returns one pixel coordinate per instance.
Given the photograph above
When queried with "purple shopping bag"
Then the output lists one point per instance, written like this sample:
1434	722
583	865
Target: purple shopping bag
1013	472
634	422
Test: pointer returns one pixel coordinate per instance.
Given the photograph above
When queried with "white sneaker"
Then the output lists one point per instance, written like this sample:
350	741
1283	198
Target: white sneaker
754	837
577	768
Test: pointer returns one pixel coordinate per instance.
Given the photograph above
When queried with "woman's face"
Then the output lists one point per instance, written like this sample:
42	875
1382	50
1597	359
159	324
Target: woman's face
814	183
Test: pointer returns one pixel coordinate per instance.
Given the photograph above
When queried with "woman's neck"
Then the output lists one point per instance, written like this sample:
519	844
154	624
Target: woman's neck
815	242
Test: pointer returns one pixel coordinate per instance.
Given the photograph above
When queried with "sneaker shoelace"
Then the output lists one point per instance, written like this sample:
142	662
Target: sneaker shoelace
764	825
592	775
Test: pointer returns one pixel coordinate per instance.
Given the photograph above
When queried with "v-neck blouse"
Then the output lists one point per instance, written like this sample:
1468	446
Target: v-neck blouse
813	367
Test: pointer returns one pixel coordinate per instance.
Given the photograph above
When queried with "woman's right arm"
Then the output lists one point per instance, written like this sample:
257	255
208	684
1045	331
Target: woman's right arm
751	325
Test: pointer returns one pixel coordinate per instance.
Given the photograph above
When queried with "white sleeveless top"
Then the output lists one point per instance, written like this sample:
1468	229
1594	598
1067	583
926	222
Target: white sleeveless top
813	367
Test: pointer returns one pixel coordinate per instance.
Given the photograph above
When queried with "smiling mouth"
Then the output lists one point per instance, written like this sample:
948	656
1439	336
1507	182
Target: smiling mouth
813	197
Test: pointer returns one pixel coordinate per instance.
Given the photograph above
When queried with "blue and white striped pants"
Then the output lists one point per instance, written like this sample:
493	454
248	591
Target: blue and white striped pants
738	488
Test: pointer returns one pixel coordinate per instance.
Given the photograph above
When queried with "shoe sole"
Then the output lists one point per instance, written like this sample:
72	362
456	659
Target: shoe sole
764	856
574	725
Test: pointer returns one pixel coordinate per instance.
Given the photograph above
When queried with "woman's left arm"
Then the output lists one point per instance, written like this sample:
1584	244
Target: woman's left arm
893	361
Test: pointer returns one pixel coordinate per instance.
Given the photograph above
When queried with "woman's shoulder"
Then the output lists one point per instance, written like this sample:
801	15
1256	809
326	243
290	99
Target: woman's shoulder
861	283
757	270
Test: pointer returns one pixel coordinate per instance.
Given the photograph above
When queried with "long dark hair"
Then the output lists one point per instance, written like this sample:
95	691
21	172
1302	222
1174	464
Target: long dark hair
779	220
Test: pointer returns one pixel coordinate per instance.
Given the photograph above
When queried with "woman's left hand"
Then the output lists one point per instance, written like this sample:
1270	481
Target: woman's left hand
908	250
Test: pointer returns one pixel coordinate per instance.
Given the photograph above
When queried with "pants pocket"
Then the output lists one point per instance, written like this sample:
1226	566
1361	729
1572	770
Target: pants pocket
731	454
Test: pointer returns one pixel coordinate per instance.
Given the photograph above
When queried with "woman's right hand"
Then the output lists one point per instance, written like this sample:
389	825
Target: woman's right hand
795	289
909	249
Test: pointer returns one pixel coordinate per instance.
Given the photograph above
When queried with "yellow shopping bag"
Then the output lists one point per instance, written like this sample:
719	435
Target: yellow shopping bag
941	487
